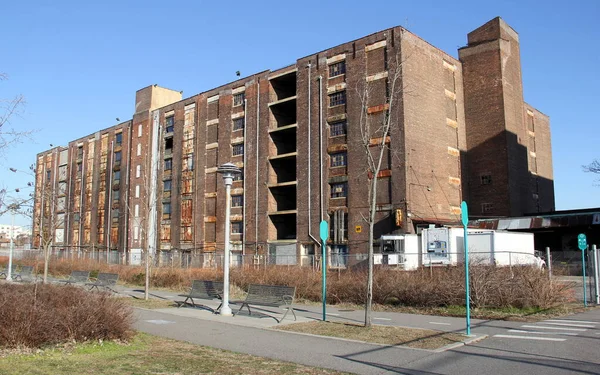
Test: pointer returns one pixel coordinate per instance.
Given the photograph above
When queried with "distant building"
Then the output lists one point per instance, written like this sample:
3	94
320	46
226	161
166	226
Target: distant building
13	231
461	131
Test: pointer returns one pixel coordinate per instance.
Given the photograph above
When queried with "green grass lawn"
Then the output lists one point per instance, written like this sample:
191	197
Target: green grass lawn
145	354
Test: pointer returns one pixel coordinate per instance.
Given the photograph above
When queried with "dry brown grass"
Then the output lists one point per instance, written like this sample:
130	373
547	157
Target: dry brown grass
491	287
411	337
37	315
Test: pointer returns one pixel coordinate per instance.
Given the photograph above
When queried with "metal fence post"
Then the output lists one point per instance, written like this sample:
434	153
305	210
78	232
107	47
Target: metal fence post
549	262
596	265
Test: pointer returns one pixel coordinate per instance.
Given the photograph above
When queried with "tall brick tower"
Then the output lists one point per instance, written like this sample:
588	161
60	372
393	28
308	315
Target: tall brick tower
503	178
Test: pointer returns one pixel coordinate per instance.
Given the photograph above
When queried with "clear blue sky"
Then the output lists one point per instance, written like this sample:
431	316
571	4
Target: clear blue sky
79	64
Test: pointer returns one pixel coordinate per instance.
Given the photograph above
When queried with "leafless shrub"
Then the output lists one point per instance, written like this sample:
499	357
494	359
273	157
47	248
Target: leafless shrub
37	315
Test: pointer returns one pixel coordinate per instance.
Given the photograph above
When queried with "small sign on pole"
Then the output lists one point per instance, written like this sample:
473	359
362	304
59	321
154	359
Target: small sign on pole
324	234
465	220
582	243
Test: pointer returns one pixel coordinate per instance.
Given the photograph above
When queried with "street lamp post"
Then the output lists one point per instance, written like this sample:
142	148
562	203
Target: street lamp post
228	170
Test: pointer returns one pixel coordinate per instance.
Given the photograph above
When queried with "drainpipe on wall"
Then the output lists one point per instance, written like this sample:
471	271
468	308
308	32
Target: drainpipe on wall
321	144
309	66
256	174
244	184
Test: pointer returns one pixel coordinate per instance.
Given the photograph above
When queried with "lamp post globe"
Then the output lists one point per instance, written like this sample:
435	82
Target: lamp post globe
228	171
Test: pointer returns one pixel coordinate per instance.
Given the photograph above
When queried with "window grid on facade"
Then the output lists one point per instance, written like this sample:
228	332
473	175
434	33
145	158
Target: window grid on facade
119	138
238	99
337	98
140	130
138	171
339	159
167	185
118	157
337	129
139	149
170	124
166	211
237	200
237	149
239	176
168	164
237	227
486	207
339	190
238	123
486	179
337	69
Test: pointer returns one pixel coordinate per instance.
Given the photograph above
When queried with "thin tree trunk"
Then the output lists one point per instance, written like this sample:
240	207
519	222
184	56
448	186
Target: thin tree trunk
147	281
46	262
372	204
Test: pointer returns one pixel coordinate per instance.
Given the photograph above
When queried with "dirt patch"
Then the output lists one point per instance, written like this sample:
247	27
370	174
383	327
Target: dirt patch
388	335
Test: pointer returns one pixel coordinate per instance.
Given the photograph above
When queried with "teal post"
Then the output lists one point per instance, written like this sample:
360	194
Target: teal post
324	234
582	243
465	221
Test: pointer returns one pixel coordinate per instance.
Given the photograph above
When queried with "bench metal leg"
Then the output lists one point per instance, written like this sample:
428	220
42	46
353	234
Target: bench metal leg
289	307
241	307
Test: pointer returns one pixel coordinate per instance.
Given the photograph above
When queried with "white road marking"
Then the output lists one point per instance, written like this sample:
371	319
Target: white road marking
333	314
570	325
530	338
440	323
543	333
160	321
381	319
571	321
557	328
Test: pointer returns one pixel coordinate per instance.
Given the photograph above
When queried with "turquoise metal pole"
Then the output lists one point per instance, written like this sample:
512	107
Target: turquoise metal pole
584	288
324	278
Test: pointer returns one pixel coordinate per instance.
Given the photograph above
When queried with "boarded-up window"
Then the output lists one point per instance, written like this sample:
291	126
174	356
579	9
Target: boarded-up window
114	235
376	60
213	110
62	173
87	219
377	92
210	208
383	191
187	207
211	182
530	123
187	186
165	233
186	234
450	108
76	237
86	237
449	80
62	188
531	145
210	233
212	134
211	157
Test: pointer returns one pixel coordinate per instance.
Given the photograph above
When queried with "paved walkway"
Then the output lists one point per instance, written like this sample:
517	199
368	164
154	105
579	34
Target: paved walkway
257	335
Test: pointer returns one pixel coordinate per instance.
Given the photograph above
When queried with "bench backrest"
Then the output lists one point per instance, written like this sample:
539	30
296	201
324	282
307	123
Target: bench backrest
79	276
270	295
26	271
108	278
207	288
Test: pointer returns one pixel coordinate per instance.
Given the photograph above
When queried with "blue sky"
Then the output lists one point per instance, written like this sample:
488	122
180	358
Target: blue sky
79	63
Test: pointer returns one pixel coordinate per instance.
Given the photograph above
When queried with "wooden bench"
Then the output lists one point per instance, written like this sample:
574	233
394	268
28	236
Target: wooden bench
270	295
4	271
104	280
77	277
25	274
203	289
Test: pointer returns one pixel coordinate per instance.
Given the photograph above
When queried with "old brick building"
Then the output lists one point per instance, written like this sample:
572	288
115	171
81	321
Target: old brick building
460	130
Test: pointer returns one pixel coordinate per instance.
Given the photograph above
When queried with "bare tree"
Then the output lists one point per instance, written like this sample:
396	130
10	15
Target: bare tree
9	108
49	226
375	128
593	167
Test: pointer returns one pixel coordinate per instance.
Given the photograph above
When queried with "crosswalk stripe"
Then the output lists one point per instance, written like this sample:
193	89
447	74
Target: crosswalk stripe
571	321
570	325
557	328
543	333
440	323
530	338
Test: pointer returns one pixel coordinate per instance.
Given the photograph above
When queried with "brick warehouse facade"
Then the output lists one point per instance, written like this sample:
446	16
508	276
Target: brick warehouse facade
460	131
